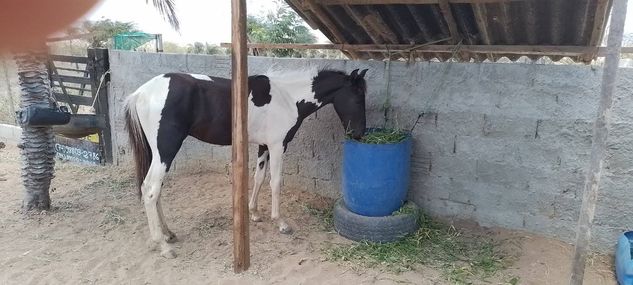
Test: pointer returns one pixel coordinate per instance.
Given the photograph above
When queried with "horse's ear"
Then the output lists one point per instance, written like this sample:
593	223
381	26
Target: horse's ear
362	73
353	75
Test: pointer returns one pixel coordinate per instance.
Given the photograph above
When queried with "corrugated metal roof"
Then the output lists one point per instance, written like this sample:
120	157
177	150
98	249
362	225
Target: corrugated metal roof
509	22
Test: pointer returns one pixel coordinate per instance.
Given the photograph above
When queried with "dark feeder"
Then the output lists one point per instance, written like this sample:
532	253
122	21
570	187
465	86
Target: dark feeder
376	175
62	122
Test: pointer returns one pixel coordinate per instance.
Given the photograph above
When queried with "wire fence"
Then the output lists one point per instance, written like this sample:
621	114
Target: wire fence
9	91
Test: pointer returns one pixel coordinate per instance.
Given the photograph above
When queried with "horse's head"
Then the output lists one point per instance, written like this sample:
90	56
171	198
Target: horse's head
347	93
349	103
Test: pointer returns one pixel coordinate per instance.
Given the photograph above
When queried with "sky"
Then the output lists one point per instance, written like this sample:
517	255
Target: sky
201	20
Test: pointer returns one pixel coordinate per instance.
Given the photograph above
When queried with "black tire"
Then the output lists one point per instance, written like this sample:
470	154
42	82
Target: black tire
374	229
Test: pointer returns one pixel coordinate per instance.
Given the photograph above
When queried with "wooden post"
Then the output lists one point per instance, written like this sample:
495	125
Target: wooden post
98	65
241	250
599	142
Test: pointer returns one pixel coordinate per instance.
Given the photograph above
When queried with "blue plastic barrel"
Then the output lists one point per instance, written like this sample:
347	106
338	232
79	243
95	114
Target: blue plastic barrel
375	176
623	261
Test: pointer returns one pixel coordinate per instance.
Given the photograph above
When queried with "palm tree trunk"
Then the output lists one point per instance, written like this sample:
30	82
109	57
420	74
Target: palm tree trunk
37	146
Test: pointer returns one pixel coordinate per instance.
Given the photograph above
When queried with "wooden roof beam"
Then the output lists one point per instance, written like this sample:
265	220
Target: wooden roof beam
299	8
599	24
445	7
327	21
374	20
482	25
424	29
570	51
506	25
359	19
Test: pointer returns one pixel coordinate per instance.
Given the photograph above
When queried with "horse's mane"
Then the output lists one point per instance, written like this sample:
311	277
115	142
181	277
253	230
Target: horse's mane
309	71
286	74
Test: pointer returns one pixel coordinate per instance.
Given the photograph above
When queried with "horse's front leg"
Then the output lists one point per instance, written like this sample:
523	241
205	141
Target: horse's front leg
276	163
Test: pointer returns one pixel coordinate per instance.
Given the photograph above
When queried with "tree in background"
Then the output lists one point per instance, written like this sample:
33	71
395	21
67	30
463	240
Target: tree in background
172	47
281	25
204	48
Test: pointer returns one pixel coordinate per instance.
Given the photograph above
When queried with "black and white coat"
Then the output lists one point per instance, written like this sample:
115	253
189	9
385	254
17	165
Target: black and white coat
165	110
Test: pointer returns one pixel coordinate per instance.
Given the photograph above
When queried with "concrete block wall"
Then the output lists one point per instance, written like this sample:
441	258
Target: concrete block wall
10	133
501	144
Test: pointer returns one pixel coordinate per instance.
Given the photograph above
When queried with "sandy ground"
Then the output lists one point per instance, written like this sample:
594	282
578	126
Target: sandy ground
96	233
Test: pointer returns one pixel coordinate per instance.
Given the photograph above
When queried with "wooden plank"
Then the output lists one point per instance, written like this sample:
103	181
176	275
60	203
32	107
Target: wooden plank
375	20
445	7
77	100
70	69
71	88
506	24
437	13
599	143
481	49
355	33
241	240
299	8
411	2
76	150
71	79
99	64
358	18
53	72
599	24
481	19
482	22
68	58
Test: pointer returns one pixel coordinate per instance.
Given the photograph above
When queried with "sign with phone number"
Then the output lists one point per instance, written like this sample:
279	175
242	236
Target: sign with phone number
80	151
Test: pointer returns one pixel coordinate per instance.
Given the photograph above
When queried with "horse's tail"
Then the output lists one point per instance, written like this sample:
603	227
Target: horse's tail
138	141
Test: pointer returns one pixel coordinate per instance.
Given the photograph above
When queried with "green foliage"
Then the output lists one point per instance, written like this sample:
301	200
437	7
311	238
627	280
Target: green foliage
172	47
324	215
384	136
204	48
167	9
462	259
102	31
282	25
407	209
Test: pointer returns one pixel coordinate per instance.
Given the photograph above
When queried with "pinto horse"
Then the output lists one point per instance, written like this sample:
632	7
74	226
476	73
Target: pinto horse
165	110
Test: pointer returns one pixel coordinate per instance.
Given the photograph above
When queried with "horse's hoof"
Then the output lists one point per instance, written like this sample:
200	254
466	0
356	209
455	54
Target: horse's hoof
171	237
256	217
168	253
152	245
284	228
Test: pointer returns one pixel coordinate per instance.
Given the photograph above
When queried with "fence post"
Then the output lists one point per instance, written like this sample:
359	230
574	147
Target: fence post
98	65
599	142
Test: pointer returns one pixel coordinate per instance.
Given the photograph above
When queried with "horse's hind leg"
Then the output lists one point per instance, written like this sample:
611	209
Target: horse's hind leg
171	237
151	195
260	174
162	156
